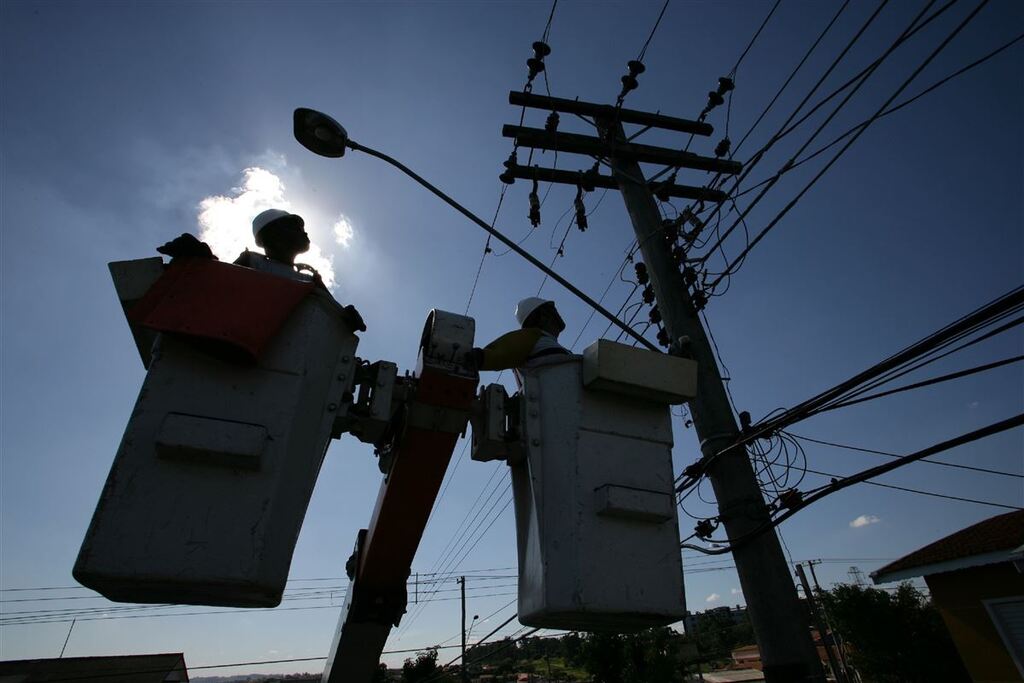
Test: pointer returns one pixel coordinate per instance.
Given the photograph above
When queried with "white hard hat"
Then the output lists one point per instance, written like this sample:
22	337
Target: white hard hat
269	216
527	306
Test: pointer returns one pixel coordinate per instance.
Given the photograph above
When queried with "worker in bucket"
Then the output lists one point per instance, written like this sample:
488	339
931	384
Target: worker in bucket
534	344
282	236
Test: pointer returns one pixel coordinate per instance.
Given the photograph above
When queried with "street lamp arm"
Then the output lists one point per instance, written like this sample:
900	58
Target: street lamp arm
351	144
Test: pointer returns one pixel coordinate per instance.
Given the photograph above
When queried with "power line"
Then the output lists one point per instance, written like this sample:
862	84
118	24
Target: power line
65	618
456	537
891	110
929	382
791	76
754	38
907	360
861	477
501	198
887	454
922	493
654	29
795	200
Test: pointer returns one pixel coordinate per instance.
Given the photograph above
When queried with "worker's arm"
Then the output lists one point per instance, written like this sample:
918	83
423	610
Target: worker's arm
508	351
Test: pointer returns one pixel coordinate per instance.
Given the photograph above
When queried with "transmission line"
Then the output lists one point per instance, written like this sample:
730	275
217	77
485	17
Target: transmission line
795	200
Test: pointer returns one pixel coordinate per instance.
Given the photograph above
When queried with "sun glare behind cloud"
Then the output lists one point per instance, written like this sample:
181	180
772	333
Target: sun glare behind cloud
225	221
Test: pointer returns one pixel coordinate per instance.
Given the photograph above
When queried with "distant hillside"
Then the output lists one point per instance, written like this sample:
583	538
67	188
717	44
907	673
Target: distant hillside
256	678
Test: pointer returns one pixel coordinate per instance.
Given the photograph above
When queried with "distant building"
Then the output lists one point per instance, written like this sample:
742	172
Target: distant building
748	657
691	621
976	581
162	668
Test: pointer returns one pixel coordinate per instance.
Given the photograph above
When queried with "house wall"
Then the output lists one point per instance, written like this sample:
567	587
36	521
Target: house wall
959	595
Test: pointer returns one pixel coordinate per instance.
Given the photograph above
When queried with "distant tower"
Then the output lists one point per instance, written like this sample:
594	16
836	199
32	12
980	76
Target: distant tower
857	576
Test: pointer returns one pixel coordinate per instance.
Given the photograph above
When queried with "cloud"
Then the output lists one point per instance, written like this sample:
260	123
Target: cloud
225	221
864	520
343	231
736	591
714	597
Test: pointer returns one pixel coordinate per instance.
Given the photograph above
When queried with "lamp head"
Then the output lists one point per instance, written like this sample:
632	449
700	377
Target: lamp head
319	133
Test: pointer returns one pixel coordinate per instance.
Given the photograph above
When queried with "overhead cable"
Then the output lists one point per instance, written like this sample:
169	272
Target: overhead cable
941	463
822	171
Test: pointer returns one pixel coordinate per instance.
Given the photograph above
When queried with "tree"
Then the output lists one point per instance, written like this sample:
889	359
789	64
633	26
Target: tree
381	674
649	656
424	668
893	637
717	633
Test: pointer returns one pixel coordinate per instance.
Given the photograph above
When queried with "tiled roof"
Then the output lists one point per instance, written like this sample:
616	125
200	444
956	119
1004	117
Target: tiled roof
999	533
119	669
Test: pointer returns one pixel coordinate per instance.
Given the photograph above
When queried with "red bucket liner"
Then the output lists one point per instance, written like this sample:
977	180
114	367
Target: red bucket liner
236	307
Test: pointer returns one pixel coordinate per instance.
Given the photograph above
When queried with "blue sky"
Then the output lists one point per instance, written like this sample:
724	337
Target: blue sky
122	123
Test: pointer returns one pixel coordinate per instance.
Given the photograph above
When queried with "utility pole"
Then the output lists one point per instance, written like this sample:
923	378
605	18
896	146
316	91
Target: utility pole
819	623
465	672
837	638
779	621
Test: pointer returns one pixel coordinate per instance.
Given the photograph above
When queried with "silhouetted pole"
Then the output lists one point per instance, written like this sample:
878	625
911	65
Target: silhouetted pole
465	672
812	605
779	621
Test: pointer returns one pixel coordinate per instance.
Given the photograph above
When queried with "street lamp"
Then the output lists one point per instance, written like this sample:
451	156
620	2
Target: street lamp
471	625
322	135
319	133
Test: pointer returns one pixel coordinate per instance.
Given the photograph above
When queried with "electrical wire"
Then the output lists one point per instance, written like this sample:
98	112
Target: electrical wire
891	110
853	139
863	476
922	493
654	29
753	39
916	355
941	463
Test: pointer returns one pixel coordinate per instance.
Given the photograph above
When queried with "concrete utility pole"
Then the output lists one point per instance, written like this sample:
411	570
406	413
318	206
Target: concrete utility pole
779	620
819	623
465	672
780	624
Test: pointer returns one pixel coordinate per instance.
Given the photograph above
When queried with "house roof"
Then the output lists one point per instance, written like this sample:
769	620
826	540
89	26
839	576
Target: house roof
987	542
158	668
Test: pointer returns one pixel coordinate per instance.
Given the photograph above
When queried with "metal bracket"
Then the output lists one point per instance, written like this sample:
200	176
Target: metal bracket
495	422
370	414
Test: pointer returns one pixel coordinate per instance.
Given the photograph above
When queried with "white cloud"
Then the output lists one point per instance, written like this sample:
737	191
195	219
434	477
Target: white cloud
736	591
714	597
864	520
225	221
343	231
